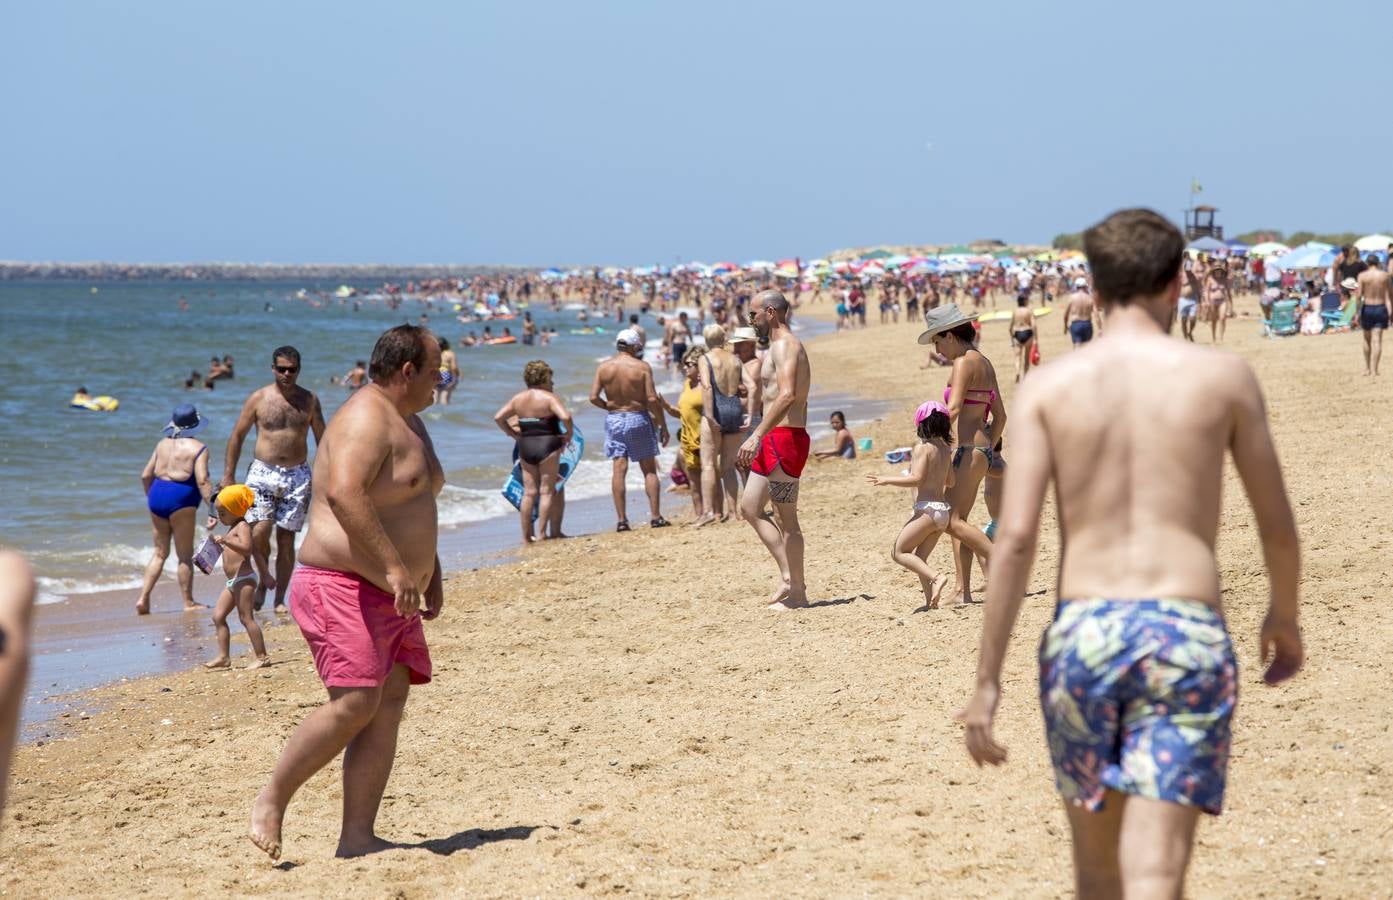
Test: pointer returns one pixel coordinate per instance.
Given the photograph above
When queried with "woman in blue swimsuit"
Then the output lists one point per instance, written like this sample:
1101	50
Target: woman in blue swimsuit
176	481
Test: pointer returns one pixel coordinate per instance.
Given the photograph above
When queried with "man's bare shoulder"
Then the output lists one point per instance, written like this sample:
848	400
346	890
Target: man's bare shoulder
364	412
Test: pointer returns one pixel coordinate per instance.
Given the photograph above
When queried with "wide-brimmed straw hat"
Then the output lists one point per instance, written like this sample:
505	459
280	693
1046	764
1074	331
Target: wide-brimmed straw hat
943	318
744	333
184	421
1349	284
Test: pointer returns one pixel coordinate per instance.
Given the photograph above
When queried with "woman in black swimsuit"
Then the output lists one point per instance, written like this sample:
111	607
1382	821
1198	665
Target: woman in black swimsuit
723	425
539	416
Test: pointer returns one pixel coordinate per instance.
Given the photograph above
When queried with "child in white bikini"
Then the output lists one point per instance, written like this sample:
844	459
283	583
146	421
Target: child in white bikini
931	474
238	555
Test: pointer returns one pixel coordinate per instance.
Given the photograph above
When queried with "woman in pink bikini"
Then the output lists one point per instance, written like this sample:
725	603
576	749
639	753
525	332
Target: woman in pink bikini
971	395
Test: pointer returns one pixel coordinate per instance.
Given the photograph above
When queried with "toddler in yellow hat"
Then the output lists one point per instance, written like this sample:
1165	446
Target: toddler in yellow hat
239	552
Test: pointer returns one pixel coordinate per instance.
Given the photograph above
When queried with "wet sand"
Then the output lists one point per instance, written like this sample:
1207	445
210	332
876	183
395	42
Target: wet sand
620	714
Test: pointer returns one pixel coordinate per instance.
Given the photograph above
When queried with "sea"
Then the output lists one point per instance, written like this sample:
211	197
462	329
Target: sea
70	493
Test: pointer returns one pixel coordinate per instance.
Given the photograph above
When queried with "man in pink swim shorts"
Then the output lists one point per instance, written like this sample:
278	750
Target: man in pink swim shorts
367	565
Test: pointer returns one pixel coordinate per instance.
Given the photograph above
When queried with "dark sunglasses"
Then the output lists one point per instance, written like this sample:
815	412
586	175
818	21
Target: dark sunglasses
750	315
287	370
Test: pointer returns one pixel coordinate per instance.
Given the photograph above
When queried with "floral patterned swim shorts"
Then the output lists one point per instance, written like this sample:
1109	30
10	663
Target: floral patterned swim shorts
1138	696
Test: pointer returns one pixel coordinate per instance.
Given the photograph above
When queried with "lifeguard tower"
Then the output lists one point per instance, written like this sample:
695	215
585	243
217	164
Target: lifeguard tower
1199	222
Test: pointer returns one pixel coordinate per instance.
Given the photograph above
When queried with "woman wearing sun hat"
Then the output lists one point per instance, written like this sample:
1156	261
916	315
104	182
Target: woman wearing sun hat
176	482
971	396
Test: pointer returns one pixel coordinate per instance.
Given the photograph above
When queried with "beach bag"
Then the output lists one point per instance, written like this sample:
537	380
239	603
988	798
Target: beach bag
1035	354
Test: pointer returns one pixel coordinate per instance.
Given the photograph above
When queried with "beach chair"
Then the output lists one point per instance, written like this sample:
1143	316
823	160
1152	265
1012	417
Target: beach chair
1338	319
1282	320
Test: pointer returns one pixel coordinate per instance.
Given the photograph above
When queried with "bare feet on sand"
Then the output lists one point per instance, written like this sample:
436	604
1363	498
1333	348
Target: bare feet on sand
193	607
266	826
374	844
935	592
784	599
704	519
222	662
260	662
142	608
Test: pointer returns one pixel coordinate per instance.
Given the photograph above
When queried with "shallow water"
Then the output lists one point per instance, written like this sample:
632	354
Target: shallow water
71	478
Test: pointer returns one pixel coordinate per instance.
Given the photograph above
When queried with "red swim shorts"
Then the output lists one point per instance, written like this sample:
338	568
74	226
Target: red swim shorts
353	629
782	446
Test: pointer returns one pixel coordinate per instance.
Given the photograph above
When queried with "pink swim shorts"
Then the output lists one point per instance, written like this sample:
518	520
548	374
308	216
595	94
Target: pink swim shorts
353	629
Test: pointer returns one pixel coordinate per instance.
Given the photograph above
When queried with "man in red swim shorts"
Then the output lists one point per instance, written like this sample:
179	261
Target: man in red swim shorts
367	565
777	449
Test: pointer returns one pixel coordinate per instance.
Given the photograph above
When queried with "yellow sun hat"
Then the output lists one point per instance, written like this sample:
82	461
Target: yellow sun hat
236	499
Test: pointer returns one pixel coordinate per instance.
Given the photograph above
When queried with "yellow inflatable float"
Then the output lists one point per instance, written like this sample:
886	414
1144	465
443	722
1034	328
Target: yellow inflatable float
81	400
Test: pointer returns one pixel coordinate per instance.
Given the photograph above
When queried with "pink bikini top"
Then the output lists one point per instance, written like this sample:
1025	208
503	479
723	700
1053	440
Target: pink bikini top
991	396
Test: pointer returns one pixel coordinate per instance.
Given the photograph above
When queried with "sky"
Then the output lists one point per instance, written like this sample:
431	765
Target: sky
644	133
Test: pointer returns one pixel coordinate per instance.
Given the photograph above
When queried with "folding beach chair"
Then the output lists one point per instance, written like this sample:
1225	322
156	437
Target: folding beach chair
1337	319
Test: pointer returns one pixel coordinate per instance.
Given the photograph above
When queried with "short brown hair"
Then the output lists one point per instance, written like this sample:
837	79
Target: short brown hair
536	373
397	347
1132	253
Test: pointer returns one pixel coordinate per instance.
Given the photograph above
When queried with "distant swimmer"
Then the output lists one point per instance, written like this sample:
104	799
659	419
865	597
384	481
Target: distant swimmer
283	414
356	377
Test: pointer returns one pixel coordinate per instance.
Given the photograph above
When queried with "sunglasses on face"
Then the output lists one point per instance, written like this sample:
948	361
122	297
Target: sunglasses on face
750	315
287	370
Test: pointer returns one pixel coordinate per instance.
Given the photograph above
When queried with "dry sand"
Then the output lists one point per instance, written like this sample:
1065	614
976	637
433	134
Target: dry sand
620	714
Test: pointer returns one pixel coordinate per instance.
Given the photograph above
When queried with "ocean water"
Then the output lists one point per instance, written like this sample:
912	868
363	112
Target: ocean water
71	478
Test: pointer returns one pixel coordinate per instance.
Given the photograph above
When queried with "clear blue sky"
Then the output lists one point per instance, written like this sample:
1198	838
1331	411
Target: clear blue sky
641	132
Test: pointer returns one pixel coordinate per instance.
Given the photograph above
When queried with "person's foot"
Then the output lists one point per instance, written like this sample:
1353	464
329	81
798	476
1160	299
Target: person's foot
704	519
659	522
622	526
260	662
188	607
780	594
142	607
790	602
265	831
282	609
350	849
222	662
936	591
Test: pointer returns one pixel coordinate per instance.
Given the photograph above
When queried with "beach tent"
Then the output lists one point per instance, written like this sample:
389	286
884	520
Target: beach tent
1373	242
1208	245
1267	248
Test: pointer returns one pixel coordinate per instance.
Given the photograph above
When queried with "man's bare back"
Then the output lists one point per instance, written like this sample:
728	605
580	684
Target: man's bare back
402	485
627	384
1374	287
1080	308
1148	419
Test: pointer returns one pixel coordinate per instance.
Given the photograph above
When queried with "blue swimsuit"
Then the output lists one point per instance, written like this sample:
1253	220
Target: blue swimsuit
168	497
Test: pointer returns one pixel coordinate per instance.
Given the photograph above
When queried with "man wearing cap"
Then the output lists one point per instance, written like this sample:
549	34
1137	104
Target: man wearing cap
1138	679
1372	292
283	414
777	449
368	574
624	389
1078	315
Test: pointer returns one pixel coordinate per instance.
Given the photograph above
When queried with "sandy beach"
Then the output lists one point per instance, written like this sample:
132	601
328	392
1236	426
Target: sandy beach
619	713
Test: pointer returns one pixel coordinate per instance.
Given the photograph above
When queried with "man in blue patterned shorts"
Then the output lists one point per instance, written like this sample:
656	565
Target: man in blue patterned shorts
624	389
1137	676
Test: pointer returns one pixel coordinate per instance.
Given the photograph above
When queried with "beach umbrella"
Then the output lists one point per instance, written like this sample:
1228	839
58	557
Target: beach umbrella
1373	242
722	267
760	265
1305	257
1267	248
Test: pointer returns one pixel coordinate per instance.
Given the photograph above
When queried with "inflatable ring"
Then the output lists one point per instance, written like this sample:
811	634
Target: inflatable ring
96	404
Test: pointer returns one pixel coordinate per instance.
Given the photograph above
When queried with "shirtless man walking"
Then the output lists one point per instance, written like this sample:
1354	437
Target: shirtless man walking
1137	675
624	389
1078	315
283	414
1375	303
777	449
367	567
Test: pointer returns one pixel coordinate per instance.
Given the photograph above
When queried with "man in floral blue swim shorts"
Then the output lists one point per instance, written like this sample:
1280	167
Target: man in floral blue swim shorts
1137	677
